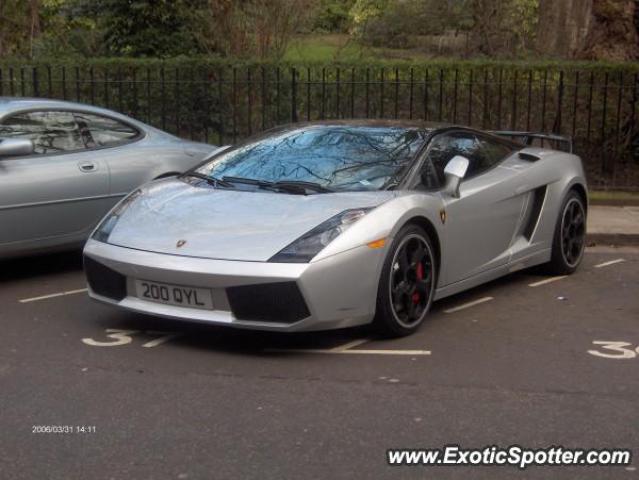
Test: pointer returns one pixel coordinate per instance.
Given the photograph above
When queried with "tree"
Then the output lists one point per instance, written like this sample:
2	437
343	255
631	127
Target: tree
260	28
503	27
19	26
149	27
613	31
589	29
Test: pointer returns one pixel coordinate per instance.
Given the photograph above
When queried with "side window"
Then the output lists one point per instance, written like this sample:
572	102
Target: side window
50	131
104	131
442	148
482	154
487	154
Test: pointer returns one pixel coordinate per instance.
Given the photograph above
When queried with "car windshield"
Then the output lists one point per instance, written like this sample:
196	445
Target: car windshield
336	157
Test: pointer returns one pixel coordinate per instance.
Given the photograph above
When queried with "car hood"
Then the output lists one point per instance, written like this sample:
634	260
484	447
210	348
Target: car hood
177	218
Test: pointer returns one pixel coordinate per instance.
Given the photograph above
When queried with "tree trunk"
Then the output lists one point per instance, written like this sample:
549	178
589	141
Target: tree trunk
563	26
613	31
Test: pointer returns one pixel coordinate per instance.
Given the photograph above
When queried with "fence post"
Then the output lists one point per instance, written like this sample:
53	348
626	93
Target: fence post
592	83
249	96
381	94
36	88
11	88
455	88
396	92
470	98
500	97
293	95
426	95
163	98
263	78
441	94
64	85
92	80
368	82
560	97
410	95
353	92
513	120
574	104
337	91
77	84
308	93
543	102
234	104
22	89
529	104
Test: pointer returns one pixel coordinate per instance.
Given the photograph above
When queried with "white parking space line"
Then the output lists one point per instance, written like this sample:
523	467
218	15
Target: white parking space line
547	280
611	262
53	295
348	352
347	349
352	344
468	305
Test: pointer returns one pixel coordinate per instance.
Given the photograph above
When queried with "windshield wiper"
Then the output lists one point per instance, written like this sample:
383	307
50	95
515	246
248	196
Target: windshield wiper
302	184
209	179
290	186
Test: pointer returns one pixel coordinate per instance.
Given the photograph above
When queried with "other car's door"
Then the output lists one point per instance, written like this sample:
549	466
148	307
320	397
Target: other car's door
480	224
130	164
59	190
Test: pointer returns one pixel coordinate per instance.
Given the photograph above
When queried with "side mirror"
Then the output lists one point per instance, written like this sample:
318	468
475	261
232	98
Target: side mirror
454	172
14	147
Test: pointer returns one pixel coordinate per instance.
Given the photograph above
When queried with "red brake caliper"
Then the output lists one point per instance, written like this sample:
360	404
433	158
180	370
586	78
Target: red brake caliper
420	275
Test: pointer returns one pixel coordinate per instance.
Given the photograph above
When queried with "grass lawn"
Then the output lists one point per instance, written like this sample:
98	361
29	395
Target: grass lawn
614	197
343	48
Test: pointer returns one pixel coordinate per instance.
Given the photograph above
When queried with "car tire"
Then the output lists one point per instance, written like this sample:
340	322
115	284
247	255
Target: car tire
407	283
569	239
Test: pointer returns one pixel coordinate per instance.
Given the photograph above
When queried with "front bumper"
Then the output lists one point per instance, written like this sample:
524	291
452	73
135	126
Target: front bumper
336	292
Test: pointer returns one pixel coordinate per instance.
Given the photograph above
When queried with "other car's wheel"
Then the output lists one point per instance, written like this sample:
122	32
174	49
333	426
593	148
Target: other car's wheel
407	283
569	239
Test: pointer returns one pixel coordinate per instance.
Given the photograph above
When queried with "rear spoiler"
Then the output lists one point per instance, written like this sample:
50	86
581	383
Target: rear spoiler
530	139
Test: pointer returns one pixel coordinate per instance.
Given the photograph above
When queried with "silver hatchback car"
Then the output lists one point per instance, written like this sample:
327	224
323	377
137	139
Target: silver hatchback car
63	165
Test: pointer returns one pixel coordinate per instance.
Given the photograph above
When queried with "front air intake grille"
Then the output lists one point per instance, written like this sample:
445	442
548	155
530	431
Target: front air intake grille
104	281
270	302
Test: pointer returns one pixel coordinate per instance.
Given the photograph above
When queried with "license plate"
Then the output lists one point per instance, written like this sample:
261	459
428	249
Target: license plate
174	294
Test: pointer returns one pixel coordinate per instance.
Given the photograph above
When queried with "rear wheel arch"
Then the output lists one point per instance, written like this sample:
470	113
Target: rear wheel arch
581	191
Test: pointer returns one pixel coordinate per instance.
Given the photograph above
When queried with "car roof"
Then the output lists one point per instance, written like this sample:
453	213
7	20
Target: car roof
10	104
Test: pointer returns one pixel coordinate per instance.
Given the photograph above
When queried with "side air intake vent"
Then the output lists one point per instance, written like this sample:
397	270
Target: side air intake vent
539	194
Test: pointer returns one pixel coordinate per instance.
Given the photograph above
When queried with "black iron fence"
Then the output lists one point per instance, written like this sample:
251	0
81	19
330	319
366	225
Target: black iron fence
221	103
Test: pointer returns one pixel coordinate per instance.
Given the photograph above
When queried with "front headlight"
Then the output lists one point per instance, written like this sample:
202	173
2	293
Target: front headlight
311	243
106	226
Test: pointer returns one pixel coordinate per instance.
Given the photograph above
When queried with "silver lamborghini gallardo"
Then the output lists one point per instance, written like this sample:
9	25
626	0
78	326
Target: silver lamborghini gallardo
342	223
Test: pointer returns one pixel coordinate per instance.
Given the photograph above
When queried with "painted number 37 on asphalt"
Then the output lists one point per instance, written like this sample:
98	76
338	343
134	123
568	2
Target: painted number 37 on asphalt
615	350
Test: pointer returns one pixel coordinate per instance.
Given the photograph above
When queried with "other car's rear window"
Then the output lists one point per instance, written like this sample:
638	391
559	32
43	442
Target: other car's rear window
338	157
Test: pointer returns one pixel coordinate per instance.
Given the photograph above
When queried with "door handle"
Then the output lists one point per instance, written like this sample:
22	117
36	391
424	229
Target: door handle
522	189
87	167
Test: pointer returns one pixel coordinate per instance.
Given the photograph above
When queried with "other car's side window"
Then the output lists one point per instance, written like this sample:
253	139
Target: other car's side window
104	131
50	131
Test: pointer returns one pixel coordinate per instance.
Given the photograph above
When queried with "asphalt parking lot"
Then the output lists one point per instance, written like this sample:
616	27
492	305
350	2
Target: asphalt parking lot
524	360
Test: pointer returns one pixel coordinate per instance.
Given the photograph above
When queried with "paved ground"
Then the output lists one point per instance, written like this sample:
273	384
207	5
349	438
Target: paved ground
616	225
217	403
611	219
